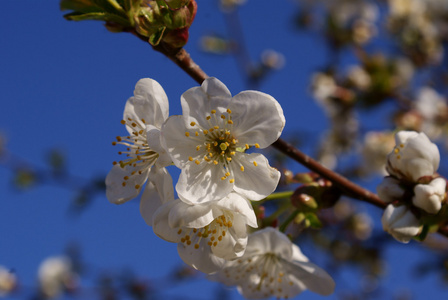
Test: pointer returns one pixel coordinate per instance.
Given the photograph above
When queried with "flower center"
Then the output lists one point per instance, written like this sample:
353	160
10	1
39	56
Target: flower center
216	144
212	233
138	154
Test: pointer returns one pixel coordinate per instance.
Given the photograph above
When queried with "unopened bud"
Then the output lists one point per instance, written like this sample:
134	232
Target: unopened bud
303	198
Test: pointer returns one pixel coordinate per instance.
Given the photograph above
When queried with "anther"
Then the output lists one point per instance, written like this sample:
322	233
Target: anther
223	117
257	146
187	134
123	122
118	138
232	180
242	168
134	125
215	162
143	120
114	143
192	123
255	163
208	118
247	146
229	121
229	111
137	186
190	158
213	111
205	131
197	162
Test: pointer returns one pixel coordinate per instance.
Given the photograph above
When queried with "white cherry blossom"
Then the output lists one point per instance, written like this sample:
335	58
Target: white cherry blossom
413	157
429	197
401	223
209	142
143	117
273	266
207	234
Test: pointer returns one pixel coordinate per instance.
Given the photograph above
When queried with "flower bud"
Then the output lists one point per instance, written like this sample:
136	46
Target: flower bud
429	197
304	197
401	223
389	190
414	156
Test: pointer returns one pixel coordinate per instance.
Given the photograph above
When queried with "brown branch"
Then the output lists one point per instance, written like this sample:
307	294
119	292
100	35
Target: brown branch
346	186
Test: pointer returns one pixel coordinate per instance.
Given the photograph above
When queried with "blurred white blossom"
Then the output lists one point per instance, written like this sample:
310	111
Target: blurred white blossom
8	281
413	157
401	223
272	266
56	276
429	196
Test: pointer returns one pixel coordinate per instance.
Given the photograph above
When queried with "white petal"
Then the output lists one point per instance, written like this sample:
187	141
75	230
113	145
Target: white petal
233	244
400	223
314	278
179	146
269	240
201	259
160	224
256	182
198	102
429	196
163	183
196	186
257	118
115	191
389	190
153	138
149	103
238	204
149	203
191	216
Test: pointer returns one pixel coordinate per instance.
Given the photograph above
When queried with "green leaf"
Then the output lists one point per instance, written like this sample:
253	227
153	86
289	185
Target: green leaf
101	16
156	37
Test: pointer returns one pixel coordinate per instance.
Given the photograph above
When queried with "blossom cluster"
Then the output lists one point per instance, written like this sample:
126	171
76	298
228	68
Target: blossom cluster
413	188
211	144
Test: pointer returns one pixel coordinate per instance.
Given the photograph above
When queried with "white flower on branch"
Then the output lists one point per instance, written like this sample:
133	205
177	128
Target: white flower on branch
401	223
207	234
273	266
209	142
143	117
429	197
413	157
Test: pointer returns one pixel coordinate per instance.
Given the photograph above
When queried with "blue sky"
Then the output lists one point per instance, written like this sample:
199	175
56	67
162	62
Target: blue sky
64	85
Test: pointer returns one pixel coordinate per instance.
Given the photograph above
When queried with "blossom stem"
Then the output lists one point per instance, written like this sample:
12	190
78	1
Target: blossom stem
279	195
290	218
